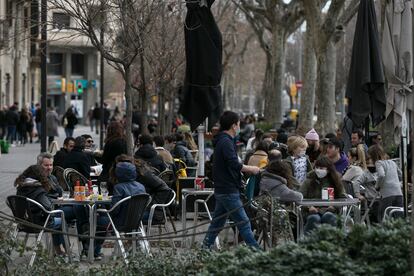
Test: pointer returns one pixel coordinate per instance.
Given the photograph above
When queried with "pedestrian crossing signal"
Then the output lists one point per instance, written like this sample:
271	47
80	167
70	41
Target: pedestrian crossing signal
79	88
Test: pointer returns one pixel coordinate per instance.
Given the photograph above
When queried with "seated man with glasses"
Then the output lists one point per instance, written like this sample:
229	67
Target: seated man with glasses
90	148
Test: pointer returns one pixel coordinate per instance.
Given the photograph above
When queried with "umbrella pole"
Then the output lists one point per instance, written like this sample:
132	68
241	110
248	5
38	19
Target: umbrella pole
367	120
201	130
403	158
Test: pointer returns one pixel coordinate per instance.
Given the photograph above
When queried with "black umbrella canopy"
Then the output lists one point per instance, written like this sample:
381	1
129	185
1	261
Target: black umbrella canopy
203	50
365	88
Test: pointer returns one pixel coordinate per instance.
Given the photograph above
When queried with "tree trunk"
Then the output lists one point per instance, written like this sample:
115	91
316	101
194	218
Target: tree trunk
266	86
144	96
128	119
161	109
171	106
307	98
274	78
326	58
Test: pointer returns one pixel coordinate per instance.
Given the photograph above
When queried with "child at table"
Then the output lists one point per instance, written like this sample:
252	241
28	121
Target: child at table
324	176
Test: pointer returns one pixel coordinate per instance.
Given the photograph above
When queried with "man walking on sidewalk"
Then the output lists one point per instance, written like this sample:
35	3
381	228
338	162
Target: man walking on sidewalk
227	182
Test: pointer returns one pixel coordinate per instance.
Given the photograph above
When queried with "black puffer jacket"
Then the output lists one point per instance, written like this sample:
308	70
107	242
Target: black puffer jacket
78	160
33	189
157	188
148	153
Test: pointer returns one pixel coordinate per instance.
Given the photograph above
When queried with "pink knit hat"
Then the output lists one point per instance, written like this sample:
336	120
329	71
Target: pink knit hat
312	135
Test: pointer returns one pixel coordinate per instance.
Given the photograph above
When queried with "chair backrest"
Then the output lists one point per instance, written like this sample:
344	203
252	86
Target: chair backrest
253	186
58	172
349	189
71	176
137	205
168	177
22	210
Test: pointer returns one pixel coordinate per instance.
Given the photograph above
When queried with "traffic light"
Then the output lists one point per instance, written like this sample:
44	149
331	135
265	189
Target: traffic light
79	87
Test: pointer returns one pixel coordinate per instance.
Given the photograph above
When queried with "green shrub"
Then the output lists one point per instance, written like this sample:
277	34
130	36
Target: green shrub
381	250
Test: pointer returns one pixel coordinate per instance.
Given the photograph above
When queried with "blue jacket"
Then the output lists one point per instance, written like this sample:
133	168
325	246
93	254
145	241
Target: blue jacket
127	186
226	165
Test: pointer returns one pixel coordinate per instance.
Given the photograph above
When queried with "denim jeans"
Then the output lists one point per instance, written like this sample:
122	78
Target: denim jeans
39	130
11	133
56	224
316	219
69	132
227	203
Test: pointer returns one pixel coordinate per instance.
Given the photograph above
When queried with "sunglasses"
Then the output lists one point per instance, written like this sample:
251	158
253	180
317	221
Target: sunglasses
89	141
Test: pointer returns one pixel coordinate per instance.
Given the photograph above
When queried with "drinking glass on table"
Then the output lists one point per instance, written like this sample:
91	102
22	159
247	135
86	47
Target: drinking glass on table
104	190
65	194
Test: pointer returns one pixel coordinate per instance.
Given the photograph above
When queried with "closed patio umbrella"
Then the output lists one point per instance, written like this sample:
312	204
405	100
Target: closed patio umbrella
397	52
397	47
365	88
203	50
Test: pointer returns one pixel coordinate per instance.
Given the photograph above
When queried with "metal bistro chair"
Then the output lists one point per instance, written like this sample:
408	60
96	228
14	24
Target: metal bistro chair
71	176
21	208
164	207
391	212
58	172
137	204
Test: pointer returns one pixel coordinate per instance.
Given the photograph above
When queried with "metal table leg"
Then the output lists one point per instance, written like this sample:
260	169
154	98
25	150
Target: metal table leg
184	217
92	231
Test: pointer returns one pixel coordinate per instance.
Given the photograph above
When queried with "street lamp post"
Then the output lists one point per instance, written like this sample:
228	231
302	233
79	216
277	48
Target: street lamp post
43	73
102	115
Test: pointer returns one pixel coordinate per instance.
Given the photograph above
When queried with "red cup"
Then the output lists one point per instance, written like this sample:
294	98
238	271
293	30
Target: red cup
331	193
199	183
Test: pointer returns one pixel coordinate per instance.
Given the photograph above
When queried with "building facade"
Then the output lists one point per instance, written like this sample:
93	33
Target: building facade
72	71
19	68
72	61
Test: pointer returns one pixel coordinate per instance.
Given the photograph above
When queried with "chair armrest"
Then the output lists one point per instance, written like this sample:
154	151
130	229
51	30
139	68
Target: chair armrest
165	204
116	205
40	206
102	211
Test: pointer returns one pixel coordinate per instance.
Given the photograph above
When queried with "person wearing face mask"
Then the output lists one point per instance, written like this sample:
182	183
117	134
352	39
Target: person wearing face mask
314	149
227	183
298	160
324	176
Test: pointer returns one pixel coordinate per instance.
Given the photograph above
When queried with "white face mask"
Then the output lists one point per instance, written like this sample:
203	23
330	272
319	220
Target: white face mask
321	173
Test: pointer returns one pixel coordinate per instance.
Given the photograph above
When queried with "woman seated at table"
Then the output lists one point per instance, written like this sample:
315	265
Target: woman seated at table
389	176
278	180
324	176
33	184
155	187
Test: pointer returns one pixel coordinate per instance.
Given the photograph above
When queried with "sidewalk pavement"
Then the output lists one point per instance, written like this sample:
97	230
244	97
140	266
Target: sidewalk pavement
20	157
